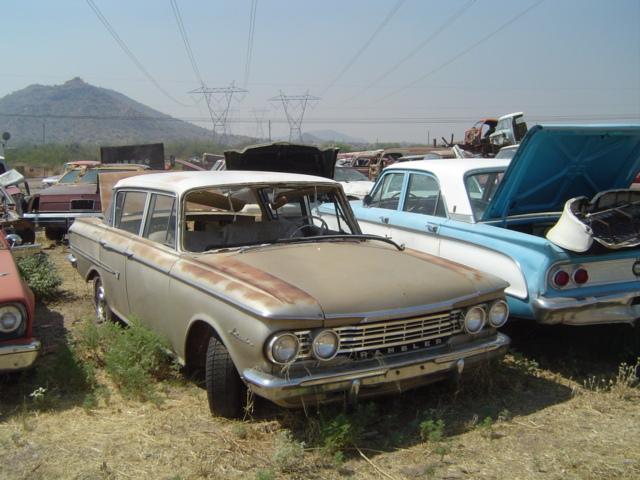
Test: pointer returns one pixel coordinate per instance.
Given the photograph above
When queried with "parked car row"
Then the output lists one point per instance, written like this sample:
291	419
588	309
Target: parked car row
240	268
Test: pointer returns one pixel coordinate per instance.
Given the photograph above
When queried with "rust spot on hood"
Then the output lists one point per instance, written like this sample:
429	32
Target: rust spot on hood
236	278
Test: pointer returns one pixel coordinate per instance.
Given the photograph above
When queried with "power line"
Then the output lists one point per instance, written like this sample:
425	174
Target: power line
129	53
185	40
419	47
463	52
404	120
252	27
362	49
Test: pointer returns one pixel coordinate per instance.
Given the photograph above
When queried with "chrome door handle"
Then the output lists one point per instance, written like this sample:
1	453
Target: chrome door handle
432	228
384	219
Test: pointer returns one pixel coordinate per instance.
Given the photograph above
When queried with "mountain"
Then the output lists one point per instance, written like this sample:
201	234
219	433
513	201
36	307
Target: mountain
56	106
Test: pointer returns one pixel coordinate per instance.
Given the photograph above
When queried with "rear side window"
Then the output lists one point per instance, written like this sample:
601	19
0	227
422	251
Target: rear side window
161	220
423	196
388	191
129	211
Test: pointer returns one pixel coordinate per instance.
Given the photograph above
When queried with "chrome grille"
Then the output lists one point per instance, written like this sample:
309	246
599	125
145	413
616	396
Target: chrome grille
414	331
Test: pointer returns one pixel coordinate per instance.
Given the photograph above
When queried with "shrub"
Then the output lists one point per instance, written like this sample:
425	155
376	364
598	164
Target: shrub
133	356
40	274
432	430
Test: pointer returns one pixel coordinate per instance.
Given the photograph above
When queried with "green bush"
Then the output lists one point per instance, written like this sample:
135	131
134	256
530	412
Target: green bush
40	274
133	356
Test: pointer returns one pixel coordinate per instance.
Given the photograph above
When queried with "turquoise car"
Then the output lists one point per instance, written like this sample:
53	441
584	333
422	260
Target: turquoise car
559	221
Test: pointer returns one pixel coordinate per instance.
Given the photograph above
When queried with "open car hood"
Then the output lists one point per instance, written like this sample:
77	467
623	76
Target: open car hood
284	157
559	162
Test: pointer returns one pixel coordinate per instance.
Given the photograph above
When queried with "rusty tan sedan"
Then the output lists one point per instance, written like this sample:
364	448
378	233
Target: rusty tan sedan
250	281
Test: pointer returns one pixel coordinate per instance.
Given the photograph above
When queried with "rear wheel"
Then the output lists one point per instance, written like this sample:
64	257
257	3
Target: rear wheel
103	312
225	390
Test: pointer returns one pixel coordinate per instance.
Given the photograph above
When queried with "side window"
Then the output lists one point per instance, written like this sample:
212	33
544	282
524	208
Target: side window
161	220
387	194
129	210
423	196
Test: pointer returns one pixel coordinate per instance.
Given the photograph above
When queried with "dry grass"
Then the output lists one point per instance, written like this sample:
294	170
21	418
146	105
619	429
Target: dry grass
537	415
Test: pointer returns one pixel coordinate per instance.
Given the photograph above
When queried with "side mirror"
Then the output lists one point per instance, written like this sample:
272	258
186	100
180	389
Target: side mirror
14	240
366	201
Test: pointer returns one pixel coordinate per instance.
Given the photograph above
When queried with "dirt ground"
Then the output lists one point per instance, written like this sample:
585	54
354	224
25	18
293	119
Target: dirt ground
558	407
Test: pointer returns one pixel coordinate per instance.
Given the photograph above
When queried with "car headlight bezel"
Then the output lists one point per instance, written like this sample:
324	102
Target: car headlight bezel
19	313
490	314
316	346
275	342
482	320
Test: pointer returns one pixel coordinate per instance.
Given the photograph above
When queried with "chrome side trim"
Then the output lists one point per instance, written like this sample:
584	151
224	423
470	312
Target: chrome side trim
93	260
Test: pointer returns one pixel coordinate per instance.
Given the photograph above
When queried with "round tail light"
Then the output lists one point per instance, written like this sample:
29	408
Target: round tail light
580	276
561	278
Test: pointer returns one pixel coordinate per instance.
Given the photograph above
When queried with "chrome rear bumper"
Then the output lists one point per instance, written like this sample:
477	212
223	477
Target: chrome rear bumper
594	310
374	377
14	357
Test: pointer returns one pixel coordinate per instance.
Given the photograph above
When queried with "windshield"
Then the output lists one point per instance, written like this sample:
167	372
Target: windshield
344	174
481	187
80	175
244	215
506	152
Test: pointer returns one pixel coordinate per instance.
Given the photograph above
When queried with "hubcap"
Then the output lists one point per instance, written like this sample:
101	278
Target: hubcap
100	304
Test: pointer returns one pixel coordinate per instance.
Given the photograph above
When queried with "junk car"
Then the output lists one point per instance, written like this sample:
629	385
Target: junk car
18	348
75	195
558	221
246	278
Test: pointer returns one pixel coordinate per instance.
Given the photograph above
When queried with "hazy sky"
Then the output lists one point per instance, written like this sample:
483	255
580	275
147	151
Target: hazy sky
560	60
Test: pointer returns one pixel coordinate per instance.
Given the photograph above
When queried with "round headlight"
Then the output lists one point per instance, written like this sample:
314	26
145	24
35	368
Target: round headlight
325	344
474	320
11	318
283	348
498	313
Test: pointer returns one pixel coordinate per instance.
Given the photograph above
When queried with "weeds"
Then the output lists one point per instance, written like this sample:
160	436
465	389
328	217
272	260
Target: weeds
622	384
289	453
133	356
265	474
40	274
432	430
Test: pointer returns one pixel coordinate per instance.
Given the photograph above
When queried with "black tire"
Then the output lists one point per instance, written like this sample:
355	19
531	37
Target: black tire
28	235
225	390
55	234
102	309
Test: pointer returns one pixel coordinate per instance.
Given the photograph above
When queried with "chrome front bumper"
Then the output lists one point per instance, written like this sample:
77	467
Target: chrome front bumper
16	357
595	310
374	377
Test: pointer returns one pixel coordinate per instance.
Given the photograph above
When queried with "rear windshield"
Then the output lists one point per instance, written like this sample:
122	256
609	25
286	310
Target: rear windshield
345	174
480	188
81	175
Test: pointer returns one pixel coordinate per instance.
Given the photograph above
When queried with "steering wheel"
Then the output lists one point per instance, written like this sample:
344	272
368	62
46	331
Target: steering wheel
324	228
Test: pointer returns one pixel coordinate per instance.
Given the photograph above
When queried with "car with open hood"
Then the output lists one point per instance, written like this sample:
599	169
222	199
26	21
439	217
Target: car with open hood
75	195
251	283
558	221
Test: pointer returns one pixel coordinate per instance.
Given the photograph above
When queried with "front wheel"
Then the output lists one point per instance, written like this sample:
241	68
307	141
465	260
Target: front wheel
225	390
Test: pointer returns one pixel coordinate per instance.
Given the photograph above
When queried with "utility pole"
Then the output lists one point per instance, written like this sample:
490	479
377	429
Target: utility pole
269	130
218	102
295	107
259	114
44	137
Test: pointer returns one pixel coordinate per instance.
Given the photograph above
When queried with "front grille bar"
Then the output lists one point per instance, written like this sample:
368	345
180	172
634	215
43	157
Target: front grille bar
390	334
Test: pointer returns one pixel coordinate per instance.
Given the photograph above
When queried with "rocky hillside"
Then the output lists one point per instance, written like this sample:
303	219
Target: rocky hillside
59	104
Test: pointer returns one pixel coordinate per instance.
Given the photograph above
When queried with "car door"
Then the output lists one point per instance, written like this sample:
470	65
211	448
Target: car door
150	259
383	204
114	247
422	214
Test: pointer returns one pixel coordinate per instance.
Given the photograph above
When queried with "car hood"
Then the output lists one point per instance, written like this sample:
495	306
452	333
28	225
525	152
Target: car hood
358	188
559	162
70	189
358	280
284	157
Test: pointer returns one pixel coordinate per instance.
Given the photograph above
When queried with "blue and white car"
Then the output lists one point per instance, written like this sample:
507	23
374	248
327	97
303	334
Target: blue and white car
495	214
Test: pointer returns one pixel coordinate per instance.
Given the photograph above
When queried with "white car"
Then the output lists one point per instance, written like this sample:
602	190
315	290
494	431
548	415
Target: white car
354	183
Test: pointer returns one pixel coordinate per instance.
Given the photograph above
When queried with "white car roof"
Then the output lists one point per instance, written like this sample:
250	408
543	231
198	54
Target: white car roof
180	182
450	174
